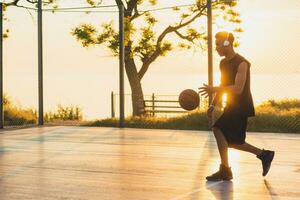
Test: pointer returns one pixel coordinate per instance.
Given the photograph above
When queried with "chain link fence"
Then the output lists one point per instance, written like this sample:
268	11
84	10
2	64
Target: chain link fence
79	75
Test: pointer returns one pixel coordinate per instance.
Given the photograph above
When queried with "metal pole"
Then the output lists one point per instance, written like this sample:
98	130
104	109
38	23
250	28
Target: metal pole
121	62
210	51
40	64
209	44
1	67
112	105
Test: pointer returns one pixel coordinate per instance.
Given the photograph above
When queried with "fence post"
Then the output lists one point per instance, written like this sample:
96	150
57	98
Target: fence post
112	104
1	68
153	104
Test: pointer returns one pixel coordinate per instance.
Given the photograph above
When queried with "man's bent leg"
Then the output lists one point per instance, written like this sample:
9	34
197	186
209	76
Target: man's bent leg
266	156
224	172
247	147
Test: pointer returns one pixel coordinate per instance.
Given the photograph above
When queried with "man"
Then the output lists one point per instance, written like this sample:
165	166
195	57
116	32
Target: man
230	129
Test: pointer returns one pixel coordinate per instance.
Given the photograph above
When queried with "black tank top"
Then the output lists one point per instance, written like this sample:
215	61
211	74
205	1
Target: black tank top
242	103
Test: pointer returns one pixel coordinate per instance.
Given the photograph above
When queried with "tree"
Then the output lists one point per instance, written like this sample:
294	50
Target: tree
150	45
20	3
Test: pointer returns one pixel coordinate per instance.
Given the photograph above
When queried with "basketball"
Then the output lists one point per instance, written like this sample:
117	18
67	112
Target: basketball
189	99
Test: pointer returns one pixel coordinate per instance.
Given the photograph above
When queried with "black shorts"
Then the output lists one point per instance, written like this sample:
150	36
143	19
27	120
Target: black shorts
233	126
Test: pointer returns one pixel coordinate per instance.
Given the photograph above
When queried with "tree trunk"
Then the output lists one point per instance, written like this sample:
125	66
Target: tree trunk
137	95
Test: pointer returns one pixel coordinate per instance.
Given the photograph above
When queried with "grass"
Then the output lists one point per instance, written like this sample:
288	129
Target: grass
16	115
64	113
271	116
277	116
186	122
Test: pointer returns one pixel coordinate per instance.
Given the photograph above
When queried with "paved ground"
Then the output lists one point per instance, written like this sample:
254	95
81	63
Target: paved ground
109	163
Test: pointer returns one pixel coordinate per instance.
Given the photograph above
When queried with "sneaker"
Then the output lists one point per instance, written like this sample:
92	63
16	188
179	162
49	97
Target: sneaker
224	174
266	158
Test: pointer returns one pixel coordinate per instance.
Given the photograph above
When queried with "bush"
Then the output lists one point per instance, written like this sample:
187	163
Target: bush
15	115
64	113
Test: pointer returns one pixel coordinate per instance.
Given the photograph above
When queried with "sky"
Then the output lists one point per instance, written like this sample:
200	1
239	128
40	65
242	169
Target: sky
86	77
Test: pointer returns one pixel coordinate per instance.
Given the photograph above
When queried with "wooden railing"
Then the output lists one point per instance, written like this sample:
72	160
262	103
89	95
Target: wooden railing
162	106
157	104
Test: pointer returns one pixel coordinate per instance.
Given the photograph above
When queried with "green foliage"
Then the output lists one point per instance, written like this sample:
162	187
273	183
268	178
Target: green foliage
89	36
186	122
280	105
64	113
150	19
146	41
184	16
182	45
146	46
129	30
16	115
272	116
93	3
153	2
86	34
165	48
18	3
176	8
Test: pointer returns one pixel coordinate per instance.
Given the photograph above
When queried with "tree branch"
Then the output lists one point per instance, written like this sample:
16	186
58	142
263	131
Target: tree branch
32	2
136	13
192	19
13	3
157	51
185	37
119	2
131	5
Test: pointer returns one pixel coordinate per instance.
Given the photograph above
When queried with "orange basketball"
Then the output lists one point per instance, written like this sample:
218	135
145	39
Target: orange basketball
189	99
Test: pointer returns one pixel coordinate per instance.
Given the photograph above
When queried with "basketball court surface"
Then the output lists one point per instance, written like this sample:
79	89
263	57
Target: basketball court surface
139	164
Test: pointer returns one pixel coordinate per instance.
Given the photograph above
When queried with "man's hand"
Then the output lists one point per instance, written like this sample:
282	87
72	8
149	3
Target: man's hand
206	90
210	111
